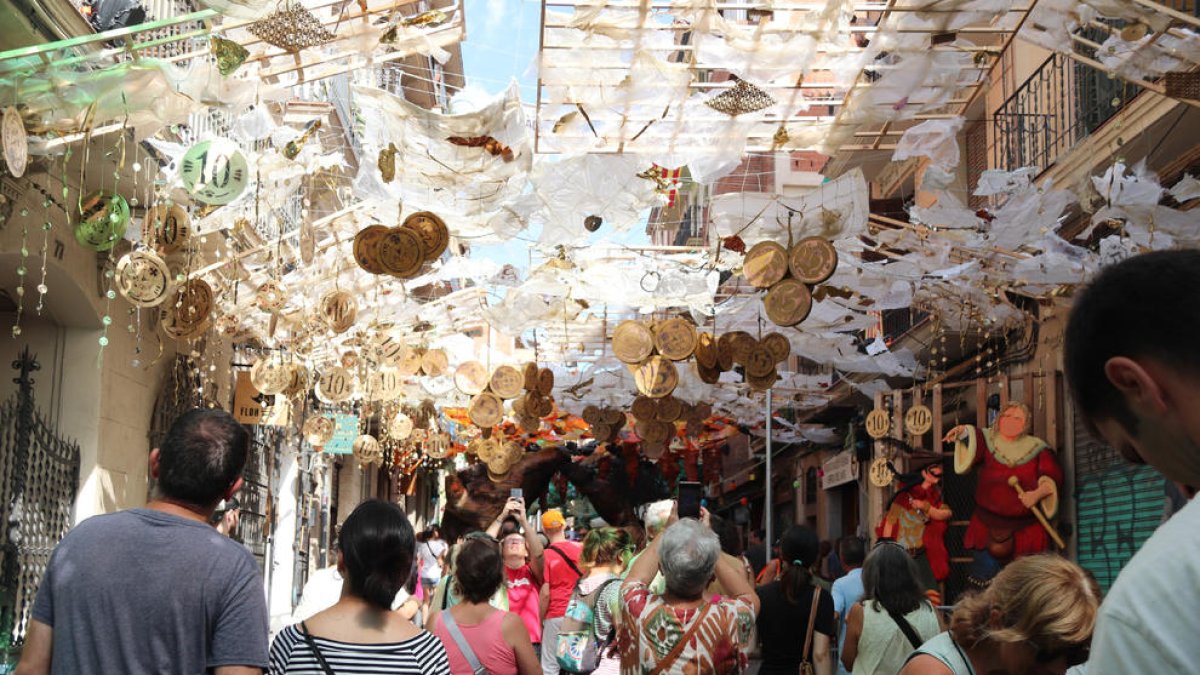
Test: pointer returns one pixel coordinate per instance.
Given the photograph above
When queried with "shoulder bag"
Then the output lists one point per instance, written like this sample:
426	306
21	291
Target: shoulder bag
806	666
906	628
669	660
567	558
312	644
463	646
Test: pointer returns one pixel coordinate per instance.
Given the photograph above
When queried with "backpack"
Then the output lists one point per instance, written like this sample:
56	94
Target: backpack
579	649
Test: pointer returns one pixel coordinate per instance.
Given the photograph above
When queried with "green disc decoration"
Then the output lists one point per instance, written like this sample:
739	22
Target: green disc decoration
214	172
102	221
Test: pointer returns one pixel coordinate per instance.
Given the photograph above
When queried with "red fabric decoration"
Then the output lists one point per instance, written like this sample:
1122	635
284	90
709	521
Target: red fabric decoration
734	243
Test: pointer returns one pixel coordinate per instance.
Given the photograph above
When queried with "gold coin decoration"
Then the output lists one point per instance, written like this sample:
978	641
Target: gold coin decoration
918	420
668	409
764	382
298	383
766	264
367	450
187	316
167	228
269	376
335	385
338	309
706	350
531	373
878	423
366	248
143	278
471	377
545	383
788	302
410	362
486	410
777	346
675	339
432	231
813	260
656	377
632	342
507	382
384	384
434	363
318	430
759	362
880	473
401	253
400	427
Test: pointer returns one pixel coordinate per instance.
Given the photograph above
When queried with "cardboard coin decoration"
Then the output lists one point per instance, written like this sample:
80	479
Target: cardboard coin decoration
103	218
878	423
602	432
384	384
434	363
675	339
318	430
471	378
401	426
531	373
591	415
335	385
168	228
613	417
410	362
214	172
788	302
702	411
762	383
918	420
432	231
881	475
545	382
529	423
366	248
401	253
298	383
338	309
388	349
545	407
367	450
742	343
669	409
186	316
16	142
759	362
644	408
777	346
486	410
766	264
437	446
507	382
270	296
706	350
813	260
632	342
725	358
708	375
143	278
654	451
269	376
656	377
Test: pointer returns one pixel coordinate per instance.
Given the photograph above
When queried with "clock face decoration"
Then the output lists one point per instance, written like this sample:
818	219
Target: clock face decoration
103	219
214	172
16	143
143	278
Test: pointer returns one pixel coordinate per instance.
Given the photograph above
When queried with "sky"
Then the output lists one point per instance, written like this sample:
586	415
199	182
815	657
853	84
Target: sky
502	44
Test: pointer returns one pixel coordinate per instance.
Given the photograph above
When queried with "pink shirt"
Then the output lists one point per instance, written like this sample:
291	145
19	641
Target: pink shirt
486	641
523	599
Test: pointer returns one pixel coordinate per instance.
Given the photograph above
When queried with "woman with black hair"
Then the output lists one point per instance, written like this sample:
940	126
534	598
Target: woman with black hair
475	634
795	612
361	633
894	616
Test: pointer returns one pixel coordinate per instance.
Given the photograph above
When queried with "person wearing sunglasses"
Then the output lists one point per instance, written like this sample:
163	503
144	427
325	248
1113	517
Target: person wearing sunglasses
1035	618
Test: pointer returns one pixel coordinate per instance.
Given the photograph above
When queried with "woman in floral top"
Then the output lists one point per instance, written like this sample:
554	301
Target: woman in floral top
685	630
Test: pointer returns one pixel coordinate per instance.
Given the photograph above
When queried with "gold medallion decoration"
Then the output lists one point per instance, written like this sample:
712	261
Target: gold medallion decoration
471	378
16	142
387	162
788	302
401	427
643	408
269	376
384	384
764	382
410	362
632	342
437	446
401	253
878	423
531	376
675	339
668	409
434	363
507	382
706	350
545	383
271	296
366	248
880	473
741	344
433	233
486	410
318	430
188	315
777	346
656	377
766	264
230	54
918	420
143	279
167	228
813	260
335	385
725	355
390	350
367	450
291	27
338	309
759	362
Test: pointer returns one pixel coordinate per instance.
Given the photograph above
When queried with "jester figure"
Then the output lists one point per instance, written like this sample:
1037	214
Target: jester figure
1003	526
916	519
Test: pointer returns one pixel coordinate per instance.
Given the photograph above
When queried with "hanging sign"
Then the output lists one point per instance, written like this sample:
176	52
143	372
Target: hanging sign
345	432
247	401
918	420
878	423
839	470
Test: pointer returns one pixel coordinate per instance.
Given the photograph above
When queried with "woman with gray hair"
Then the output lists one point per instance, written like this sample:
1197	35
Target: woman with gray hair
685	629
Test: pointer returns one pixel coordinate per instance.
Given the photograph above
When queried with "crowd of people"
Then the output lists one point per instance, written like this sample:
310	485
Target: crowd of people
160	589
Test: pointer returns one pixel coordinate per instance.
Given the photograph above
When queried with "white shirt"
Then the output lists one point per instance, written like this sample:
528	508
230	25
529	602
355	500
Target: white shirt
1150	621
428	552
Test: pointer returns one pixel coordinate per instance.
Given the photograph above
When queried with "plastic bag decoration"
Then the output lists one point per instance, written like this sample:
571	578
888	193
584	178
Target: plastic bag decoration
740	99
230	55
291	28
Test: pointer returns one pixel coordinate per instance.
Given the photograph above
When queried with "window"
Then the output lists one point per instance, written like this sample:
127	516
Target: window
810	485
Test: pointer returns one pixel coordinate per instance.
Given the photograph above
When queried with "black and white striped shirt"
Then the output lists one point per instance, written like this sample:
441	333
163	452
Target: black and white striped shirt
422	654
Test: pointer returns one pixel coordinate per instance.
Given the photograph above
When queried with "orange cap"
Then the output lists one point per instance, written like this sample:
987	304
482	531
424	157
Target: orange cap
553	520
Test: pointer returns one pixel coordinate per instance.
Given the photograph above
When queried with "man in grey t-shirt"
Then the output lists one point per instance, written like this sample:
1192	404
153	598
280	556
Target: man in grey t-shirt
157	589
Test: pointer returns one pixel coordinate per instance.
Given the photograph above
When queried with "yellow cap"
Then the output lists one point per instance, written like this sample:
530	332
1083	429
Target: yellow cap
553	520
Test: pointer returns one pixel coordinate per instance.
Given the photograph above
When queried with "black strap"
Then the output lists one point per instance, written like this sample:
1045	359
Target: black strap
312	644
570	563
906	628
595	597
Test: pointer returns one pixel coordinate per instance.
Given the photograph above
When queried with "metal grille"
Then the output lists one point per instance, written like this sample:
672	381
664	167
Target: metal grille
257	500
39	474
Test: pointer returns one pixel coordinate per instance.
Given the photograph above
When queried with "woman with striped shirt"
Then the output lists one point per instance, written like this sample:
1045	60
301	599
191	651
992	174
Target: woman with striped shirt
361	633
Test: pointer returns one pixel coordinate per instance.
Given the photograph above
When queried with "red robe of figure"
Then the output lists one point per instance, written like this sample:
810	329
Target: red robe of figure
917	519
1002	523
